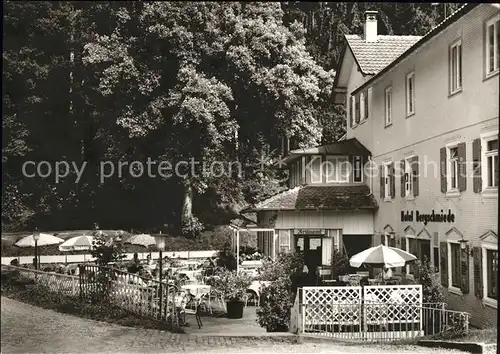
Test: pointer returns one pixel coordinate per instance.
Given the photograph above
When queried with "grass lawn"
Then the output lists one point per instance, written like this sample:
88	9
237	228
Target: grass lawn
488	336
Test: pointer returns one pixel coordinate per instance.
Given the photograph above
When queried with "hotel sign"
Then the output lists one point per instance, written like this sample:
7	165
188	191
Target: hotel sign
309	231
408	216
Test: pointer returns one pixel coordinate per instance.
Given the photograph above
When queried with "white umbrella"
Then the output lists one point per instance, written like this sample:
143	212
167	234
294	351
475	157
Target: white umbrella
389	257
141	240
77	243
44	240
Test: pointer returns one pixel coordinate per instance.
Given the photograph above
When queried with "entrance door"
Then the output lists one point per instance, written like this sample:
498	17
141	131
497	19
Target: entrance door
312	247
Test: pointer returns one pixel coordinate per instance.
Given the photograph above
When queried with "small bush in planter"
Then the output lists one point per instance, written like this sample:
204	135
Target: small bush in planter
233	287
274	313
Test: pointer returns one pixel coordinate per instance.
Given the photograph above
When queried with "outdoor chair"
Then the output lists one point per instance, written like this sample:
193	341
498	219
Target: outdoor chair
192	307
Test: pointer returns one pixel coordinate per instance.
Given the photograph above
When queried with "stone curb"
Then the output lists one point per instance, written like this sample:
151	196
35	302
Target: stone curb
470	347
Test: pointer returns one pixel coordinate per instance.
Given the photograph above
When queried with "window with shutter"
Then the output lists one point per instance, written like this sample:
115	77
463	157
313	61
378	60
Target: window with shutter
362	99
444	183
492	274
462	172
443	263
367	106
416	175
393	180
455	265
382	181
464	271
402	175
408	178
356	109
351	111
476	165
388	106
490	162
478	271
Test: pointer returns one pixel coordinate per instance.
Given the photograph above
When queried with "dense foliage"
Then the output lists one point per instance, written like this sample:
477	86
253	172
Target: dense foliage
432	291
89	83
276	297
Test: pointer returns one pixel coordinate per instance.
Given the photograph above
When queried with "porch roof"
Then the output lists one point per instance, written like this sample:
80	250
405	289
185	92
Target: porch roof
349	147
324	197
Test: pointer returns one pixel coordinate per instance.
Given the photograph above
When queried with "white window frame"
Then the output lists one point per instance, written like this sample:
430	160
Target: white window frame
452	288
495	23
456	72
367	103
449	189
408	173
387	181
485	246
336	177
361	107
360	168
353	111
410	96
280	239
388	106
485	138
311	169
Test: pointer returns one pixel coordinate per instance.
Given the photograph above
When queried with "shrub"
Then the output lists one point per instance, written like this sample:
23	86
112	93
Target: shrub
340	263
106	251
432	290
285	267
276	297
232	286
226	258
274	312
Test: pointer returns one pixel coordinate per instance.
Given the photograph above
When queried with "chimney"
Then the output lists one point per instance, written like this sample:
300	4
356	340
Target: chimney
371	26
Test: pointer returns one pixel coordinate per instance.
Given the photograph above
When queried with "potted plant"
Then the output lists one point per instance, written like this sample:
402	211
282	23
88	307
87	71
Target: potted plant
233	288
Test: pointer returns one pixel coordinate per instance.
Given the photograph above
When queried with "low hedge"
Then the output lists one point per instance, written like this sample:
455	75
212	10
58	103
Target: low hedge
208	240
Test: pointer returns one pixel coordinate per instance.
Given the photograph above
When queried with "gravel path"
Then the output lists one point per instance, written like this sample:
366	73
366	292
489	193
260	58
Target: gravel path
29	329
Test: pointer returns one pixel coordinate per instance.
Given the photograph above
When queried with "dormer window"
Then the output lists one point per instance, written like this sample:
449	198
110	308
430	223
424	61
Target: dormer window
358	169
337	169
315	169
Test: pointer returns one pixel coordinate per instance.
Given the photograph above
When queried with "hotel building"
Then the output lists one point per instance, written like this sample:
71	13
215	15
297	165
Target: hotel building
418	168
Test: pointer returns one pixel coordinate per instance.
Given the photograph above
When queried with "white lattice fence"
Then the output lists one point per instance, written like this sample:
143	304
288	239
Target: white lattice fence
331	305
59	283
392	304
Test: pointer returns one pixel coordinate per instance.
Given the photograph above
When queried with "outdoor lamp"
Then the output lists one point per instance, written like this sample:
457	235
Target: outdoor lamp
160	244
463	244
392	234
36	237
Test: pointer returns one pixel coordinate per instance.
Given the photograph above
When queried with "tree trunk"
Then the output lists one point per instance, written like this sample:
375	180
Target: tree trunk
187	203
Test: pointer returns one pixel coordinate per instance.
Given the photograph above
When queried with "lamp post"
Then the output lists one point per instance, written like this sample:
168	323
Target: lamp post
160	244
36	237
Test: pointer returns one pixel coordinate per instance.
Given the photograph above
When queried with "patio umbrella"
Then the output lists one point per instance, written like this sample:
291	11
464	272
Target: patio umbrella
44	240
381	255
141	240
77	243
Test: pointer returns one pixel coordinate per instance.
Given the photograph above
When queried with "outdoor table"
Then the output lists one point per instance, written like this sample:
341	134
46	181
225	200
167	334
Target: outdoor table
197	290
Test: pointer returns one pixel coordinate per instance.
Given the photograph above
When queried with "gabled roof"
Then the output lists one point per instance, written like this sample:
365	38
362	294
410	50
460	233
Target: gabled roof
345	147
372	57
326	197
431	34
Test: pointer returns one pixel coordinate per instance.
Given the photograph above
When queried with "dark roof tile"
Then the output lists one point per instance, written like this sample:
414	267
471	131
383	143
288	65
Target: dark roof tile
375	56
325	197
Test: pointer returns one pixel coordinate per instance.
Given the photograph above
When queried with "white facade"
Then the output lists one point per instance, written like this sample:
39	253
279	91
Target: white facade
440	102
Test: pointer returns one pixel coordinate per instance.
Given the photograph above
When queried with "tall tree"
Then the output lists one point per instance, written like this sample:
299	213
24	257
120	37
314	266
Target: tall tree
203	74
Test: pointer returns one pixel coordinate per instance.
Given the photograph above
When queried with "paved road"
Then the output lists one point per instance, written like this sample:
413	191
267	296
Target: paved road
29	329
